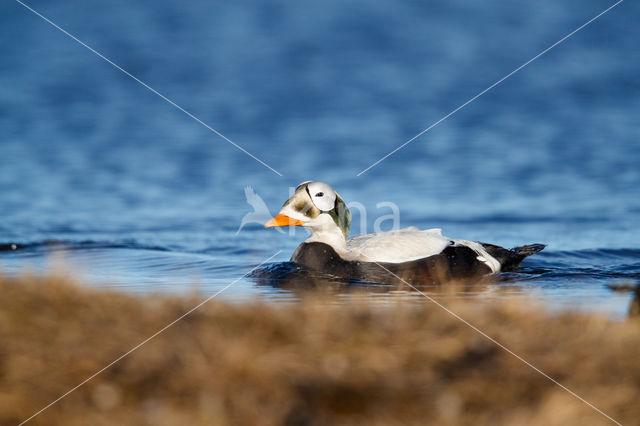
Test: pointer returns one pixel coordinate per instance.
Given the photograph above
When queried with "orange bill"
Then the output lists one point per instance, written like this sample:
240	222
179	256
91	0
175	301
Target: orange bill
283	220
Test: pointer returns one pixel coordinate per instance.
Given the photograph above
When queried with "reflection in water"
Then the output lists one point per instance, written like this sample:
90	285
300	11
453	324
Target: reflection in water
301	282
509	285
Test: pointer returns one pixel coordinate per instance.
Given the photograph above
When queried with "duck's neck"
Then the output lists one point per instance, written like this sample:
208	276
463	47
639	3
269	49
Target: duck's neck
330	235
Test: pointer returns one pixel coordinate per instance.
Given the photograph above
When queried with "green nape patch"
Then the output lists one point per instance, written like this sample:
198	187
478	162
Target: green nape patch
309	363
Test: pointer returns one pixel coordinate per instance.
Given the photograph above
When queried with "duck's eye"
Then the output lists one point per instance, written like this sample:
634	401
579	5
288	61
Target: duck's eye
319	194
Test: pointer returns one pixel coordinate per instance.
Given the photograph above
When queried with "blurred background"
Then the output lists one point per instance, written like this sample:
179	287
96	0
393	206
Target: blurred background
140	196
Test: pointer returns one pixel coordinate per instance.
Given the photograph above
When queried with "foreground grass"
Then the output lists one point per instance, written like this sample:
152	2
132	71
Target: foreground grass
310	363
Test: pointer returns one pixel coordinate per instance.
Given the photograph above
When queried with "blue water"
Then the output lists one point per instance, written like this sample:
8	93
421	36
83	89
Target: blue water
141	197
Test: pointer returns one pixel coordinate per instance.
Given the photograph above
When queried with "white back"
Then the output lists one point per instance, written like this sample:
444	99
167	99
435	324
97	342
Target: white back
397	246
409	244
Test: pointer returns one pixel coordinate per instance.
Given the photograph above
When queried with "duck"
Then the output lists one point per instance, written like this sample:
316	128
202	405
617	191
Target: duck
403	256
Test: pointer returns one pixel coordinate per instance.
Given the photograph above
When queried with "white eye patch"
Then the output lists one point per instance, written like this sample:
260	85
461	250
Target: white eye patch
322	195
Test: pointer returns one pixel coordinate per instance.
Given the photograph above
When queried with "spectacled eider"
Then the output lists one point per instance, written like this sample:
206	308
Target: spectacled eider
409	254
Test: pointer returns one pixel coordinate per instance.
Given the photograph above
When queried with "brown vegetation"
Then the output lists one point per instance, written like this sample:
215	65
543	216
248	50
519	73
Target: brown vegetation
313	363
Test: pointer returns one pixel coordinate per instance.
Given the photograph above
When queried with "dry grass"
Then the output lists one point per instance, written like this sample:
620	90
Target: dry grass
311	363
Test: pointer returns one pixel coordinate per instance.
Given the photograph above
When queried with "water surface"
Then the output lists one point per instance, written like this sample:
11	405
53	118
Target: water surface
140	197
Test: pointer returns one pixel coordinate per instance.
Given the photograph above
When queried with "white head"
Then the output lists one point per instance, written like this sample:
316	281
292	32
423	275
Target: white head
314	205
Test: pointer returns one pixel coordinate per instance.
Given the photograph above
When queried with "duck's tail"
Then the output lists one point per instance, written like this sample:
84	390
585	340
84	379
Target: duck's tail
510	258
528	250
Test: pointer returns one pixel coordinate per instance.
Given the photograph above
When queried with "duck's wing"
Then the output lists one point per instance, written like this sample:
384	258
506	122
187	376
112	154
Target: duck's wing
397	246
409	244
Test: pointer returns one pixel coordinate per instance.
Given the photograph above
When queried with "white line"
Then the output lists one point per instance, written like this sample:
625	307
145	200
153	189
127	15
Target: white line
501	346
147	339
150	88
491	87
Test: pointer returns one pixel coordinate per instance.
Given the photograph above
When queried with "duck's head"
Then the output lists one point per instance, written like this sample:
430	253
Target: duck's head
314	205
